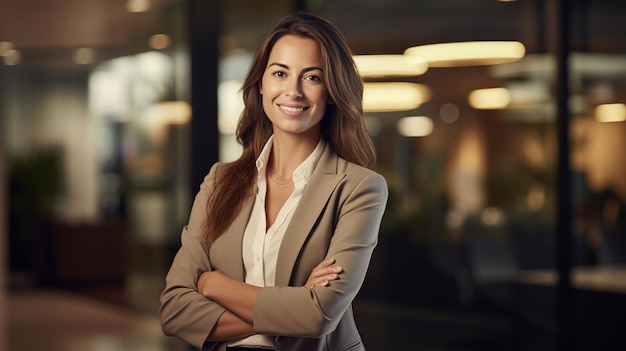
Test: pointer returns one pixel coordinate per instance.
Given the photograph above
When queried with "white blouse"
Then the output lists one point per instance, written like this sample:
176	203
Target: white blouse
260	248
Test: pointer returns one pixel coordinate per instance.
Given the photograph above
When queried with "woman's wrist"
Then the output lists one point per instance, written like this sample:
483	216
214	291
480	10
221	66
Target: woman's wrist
205	282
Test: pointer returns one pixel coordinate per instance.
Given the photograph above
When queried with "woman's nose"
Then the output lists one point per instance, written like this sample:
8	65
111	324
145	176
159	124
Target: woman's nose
294	89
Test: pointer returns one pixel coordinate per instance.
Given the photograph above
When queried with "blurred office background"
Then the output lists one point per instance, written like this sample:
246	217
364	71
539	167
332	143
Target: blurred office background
506	222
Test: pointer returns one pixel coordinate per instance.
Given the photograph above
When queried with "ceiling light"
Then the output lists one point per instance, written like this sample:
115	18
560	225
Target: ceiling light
415	126
610	112
468	53
394	96
138	5
173	112
489	99
390	65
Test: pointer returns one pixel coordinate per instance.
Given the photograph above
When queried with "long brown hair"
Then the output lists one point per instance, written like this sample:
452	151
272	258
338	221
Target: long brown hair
342	125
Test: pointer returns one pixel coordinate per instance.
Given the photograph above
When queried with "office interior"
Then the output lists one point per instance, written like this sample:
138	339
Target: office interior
506	222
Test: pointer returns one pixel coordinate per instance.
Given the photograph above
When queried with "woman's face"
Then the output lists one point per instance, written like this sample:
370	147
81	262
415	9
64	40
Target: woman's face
293	90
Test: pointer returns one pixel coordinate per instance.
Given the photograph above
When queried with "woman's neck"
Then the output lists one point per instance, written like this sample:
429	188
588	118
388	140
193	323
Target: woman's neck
288	153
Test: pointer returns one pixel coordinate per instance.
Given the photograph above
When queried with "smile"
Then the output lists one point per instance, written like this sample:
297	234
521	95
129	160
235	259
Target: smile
292	109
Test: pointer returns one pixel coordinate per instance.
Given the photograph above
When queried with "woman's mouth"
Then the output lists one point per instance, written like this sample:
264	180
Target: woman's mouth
292	109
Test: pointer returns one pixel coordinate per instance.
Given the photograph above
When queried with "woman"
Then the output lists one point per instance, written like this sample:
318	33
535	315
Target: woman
279	241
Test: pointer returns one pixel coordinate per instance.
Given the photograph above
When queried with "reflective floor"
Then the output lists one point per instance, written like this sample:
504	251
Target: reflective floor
54	320
57	320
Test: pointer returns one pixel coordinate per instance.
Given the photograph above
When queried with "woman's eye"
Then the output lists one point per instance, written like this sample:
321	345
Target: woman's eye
313	78
279	74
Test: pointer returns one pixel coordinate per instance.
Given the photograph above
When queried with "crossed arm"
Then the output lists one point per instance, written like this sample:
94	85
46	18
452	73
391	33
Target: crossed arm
199	304
238	298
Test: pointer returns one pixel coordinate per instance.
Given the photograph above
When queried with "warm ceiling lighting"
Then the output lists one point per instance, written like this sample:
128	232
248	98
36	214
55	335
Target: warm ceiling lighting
171	112
138	5
468	53
390	65
394	96
490	99
415	126
159	41
5	47
611	112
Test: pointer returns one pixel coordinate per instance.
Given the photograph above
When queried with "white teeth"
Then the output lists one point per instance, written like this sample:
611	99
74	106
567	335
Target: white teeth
291	109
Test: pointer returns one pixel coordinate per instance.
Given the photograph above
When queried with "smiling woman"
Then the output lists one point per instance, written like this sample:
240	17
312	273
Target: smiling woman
279	241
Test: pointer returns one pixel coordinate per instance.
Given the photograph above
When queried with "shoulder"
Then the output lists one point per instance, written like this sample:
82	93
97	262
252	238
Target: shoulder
361	175
209	178
360	188
331	162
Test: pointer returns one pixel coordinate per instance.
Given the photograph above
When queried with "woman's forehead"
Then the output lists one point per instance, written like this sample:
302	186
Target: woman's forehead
294	50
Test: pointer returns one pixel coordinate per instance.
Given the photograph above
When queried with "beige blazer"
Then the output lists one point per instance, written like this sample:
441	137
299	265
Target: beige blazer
338	216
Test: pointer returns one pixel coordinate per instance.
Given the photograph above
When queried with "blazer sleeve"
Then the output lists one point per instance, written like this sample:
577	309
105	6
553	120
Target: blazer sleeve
280	310
184	312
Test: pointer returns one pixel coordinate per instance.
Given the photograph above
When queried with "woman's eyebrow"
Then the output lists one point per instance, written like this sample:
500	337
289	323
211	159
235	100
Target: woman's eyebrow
287	67
308	69
278	64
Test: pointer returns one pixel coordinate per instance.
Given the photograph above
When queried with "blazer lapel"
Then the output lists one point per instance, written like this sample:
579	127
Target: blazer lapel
316	194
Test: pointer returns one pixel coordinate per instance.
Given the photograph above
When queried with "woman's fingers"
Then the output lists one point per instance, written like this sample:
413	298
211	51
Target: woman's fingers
326	263
323	273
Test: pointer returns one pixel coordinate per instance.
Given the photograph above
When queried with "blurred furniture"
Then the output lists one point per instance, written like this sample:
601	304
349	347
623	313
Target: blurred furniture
90	253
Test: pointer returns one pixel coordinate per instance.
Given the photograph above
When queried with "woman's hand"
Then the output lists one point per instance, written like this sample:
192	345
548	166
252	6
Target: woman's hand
323	273
208	282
